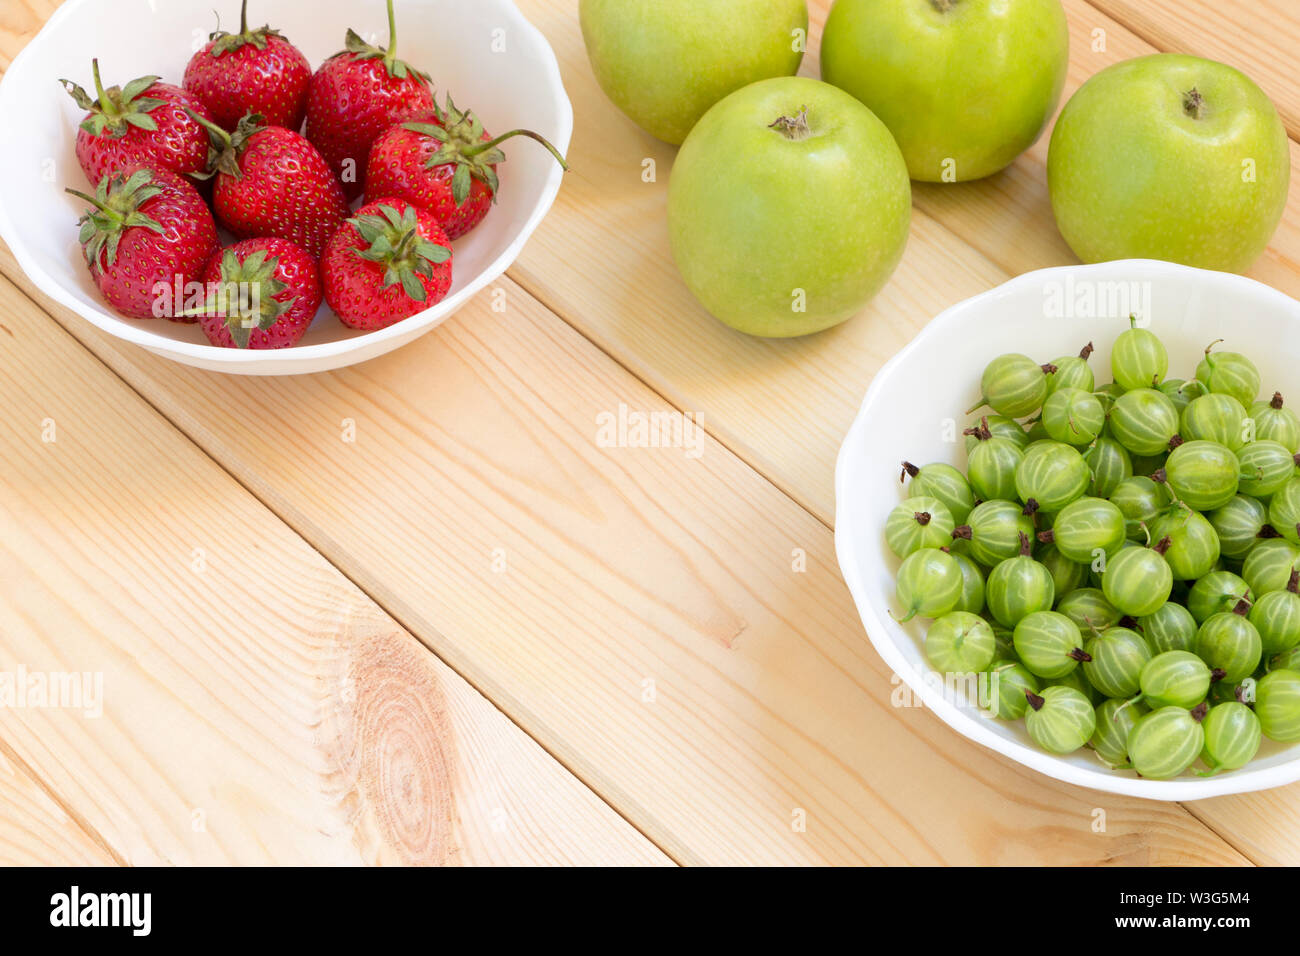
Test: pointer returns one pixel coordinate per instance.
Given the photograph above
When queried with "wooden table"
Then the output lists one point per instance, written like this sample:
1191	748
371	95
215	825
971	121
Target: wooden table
414	612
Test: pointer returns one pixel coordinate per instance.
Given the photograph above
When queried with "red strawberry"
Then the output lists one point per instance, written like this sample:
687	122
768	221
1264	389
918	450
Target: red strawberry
445	162
355	96
389	262
263	293
144	123
148	237
272	182
252	71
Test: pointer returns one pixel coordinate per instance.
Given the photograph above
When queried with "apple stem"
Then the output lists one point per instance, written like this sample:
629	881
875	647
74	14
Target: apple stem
1194	104
943	6
793	127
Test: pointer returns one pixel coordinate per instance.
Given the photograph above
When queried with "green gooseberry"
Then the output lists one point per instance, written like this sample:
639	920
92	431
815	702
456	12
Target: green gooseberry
1269	565
1216	418
1169	627
1140	500
960	643
1263	467
1238	525
1109	463
1284	510
1066	574
1176	678
1138	580
1148	465
972	585
1275	423
1073	416
1007	682
1144	421
1086	529
918	523
1006	648
1037	432
1013	385
1051	475
1088	608
1072	371
1115	721
1049	644
1215	592
998	426
1018	587
1097	569
944	482
1202	474
1287	660
1277	705
1276	615
1230	644
1138	358
1079	681
1232	737
1193	545
928	583
1118	656
1182	392
1167	741
994	529
1060	720
992	464
1229	373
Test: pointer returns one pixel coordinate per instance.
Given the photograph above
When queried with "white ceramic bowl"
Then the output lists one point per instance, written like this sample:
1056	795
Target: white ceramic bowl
914	411
483	51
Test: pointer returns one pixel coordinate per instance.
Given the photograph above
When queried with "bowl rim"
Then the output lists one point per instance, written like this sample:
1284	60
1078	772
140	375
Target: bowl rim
318	355
847	509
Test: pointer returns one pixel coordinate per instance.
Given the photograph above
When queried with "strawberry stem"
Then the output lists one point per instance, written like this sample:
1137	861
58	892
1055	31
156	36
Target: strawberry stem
390	57
96	203
493	143
243	18
105	103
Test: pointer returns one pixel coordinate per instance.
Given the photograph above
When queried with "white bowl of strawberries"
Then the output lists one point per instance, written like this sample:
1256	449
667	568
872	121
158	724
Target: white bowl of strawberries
282	201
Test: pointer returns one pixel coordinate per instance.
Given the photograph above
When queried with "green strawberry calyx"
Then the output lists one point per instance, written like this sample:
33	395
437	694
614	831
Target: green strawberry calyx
225	149
356	47
116	203
394	241
223	42
246	295
116	109
460	134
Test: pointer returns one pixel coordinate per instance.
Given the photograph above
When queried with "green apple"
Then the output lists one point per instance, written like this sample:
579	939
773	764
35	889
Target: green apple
788	207
1169	157
665	62
965	86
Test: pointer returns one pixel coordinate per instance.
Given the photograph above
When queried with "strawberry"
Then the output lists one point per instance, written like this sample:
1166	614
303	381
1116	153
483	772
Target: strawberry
148	236
143	123
355	96
444	161
271	182
389	262
263	294
252	71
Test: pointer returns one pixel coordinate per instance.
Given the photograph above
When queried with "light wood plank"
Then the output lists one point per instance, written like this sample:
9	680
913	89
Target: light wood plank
256	706
1260	38
36	831
966	234
618	576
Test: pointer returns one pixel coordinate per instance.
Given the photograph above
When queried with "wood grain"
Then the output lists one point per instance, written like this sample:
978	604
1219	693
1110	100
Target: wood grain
715	694
256	706
35	830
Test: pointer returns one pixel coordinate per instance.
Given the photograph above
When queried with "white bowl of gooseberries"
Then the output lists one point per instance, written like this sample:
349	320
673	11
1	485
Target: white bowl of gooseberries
1167	614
